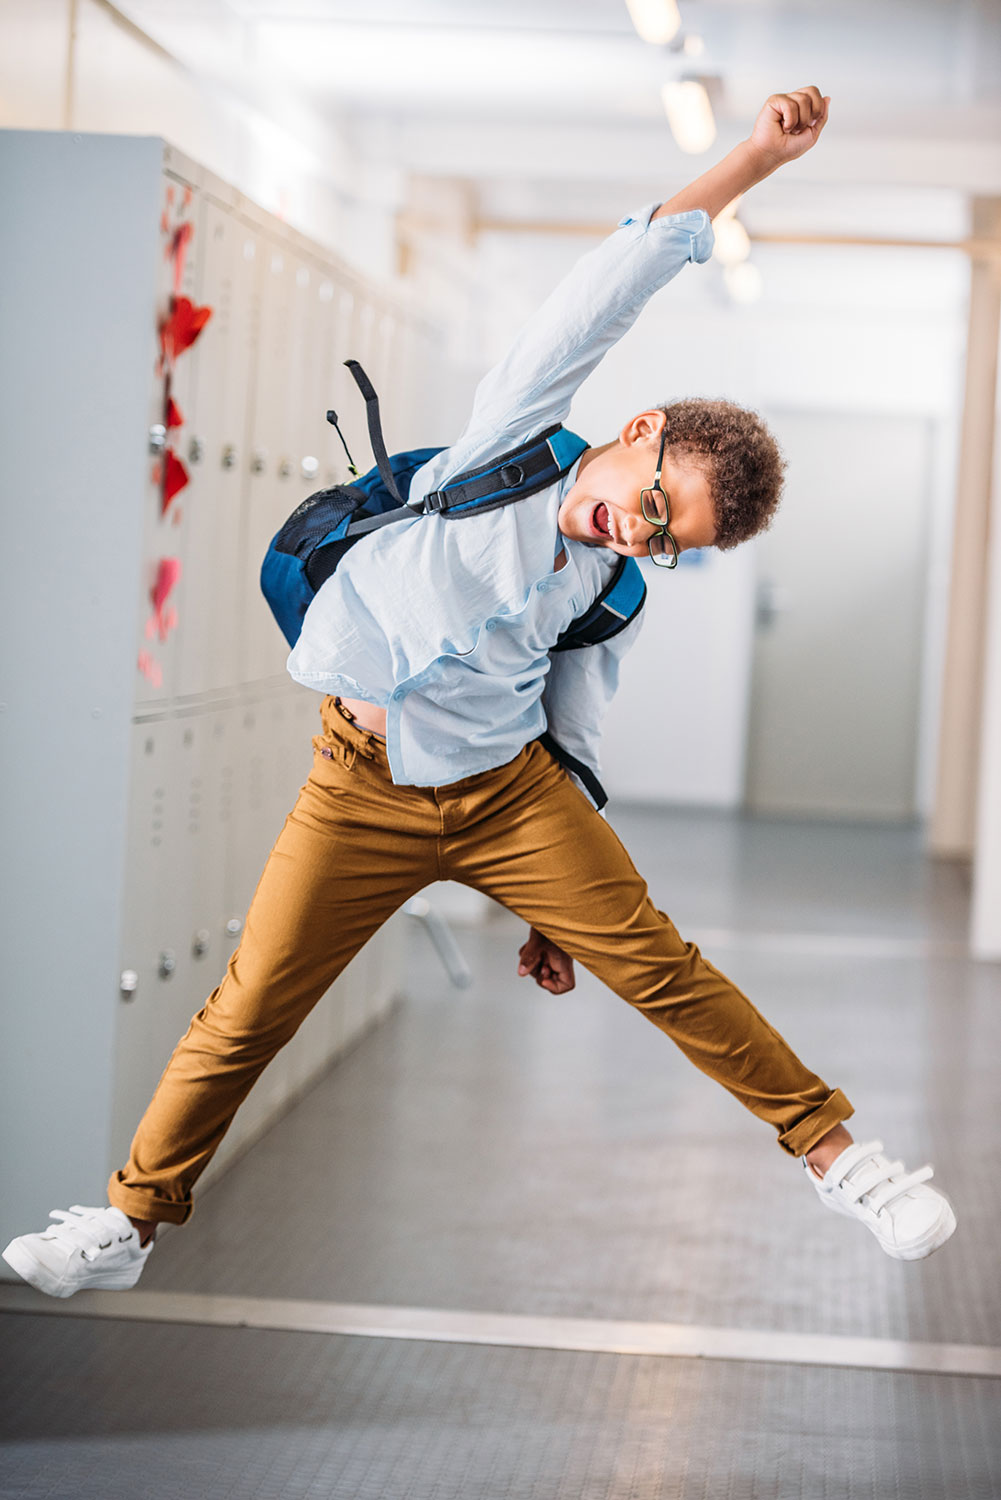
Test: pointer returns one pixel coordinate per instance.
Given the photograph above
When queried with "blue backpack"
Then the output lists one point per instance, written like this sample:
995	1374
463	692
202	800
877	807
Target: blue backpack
308	548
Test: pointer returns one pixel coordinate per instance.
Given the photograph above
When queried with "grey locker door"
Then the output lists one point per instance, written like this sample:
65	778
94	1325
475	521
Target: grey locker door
216	448
205	819
154	925
270	495
165	532
333	465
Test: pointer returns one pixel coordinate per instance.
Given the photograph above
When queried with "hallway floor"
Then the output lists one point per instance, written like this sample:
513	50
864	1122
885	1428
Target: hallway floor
555	1162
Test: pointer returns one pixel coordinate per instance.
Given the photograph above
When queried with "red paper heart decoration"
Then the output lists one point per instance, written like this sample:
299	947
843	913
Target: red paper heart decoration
163	620
179	331
175	477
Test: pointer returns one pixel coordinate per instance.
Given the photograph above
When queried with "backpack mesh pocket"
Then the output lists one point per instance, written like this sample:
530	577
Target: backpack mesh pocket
316	517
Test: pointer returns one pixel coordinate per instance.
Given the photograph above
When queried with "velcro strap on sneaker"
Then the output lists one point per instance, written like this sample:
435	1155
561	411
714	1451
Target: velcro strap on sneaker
891	1190
870	1183
853	1157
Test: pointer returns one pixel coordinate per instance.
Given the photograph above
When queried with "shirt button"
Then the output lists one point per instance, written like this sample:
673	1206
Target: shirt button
399	694
491	625
542	587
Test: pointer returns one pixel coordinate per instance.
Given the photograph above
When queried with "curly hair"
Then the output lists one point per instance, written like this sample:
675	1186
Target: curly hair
739	457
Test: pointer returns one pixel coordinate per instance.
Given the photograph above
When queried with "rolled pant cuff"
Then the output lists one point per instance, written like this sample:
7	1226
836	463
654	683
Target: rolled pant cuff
804	1135
136	1204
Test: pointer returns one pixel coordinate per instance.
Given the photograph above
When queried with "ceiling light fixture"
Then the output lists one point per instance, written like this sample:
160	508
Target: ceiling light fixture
657	21
689	114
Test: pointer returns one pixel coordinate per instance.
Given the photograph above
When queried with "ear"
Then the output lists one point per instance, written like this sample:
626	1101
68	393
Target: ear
644	428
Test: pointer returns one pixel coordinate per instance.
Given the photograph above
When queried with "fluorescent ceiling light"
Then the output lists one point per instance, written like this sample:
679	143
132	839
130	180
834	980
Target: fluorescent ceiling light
657	21
689	114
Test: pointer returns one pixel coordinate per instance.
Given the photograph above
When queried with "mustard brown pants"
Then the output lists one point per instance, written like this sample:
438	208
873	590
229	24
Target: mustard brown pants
353	849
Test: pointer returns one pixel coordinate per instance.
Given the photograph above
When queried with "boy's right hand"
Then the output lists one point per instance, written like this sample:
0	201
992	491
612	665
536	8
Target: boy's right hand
789	124
548	964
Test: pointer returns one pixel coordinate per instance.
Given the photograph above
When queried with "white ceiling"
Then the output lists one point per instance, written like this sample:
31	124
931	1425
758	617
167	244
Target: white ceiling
548	94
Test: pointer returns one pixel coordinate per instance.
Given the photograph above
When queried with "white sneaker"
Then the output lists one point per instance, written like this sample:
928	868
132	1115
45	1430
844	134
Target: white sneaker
92	1248
908	1218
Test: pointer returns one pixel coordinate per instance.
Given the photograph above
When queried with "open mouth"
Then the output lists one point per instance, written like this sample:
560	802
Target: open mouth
599	521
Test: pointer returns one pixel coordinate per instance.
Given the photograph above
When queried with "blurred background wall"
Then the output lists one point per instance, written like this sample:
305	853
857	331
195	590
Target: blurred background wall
847	664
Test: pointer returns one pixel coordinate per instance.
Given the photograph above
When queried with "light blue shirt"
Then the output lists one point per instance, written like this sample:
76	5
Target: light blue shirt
449	624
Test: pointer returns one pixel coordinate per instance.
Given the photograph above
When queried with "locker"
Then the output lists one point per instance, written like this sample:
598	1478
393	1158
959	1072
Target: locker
152	967
216	446
257	823
270	497
205	812
163	602
314	381
333	464
301	406
199	720
347	402
277	775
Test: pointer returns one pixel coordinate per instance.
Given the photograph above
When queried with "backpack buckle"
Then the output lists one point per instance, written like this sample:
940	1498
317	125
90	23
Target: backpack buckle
435	502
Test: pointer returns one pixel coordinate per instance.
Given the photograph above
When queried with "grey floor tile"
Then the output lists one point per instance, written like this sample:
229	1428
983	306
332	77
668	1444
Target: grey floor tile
115	1411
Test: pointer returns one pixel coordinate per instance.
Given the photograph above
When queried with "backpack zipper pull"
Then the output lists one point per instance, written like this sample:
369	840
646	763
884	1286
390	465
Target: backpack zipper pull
332	419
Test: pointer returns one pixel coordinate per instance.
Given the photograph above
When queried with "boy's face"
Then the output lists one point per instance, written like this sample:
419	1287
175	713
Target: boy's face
602	509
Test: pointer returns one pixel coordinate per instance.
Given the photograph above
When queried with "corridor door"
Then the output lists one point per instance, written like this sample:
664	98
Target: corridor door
842	577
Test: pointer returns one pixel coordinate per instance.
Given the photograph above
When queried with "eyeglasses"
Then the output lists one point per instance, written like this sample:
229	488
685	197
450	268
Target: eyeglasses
653	503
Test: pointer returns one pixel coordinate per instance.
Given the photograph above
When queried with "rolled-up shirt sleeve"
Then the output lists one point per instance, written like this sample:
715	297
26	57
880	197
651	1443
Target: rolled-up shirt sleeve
579	687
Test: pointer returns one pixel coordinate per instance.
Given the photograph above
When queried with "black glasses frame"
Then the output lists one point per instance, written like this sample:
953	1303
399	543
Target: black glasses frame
661	558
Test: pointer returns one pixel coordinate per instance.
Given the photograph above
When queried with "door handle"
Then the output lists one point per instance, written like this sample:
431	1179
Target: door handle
770	601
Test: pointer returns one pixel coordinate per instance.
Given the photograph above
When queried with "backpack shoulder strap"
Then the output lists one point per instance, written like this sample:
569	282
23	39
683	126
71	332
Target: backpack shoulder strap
618	604
583	773
523	471
379	453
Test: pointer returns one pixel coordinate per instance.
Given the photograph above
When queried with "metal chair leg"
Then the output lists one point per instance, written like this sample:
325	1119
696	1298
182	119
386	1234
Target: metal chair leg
443	939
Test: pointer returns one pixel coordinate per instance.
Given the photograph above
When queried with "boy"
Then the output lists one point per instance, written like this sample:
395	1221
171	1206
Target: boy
432	645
